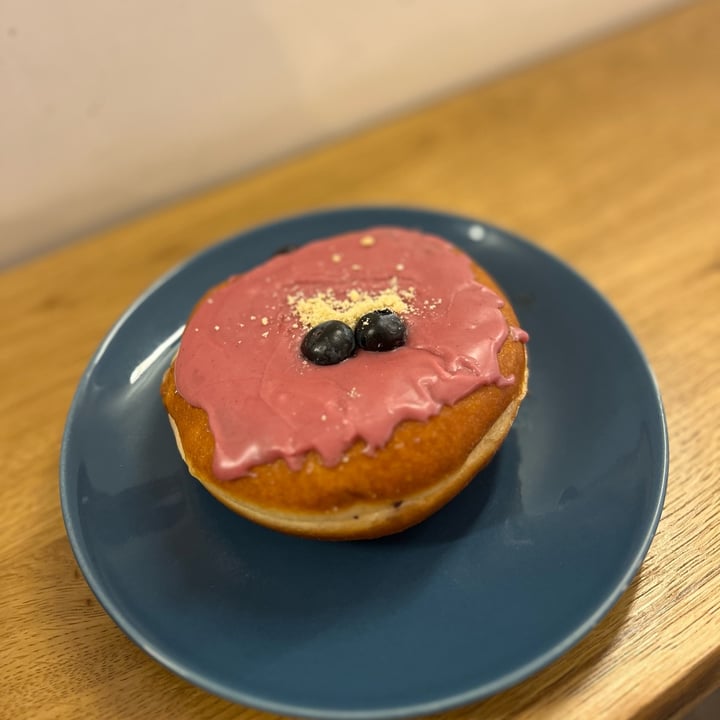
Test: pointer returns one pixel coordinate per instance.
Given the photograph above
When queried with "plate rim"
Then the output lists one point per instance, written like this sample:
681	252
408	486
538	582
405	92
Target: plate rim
475	694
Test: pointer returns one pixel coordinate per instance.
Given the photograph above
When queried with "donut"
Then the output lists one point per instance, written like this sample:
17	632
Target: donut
349	388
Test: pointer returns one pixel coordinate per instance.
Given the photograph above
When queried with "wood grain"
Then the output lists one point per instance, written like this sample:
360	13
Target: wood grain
608	156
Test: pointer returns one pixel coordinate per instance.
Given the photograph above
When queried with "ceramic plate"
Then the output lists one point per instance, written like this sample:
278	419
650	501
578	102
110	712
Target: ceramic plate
492	588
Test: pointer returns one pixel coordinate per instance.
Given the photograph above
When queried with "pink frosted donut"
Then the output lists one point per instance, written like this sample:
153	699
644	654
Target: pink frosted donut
367	446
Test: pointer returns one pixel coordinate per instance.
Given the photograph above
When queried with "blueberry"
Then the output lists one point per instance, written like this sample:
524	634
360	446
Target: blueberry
380	330
328	343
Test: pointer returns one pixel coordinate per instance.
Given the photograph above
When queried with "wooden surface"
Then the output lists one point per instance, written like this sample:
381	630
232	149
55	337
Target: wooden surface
608	156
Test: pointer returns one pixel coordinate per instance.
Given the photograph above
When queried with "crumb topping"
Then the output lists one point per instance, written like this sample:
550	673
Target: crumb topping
326	305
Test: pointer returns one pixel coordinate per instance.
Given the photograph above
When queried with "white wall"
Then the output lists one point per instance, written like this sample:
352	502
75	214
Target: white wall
109	107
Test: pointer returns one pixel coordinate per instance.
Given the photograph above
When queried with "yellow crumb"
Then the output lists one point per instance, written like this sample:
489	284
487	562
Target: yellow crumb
264	321
324	305
367	241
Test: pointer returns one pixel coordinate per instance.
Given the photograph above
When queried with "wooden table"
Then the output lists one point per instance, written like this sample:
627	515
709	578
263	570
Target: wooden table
608	156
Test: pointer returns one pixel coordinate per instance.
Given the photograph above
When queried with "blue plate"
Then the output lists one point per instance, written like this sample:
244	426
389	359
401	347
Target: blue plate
492	588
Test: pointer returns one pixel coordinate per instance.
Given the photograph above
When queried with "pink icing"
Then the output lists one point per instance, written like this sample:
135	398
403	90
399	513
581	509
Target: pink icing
239	357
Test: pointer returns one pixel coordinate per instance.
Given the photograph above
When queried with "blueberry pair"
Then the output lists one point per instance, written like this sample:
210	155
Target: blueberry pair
333	341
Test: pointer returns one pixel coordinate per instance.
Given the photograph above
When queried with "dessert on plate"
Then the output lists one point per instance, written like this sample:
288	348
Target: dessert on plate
349	388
